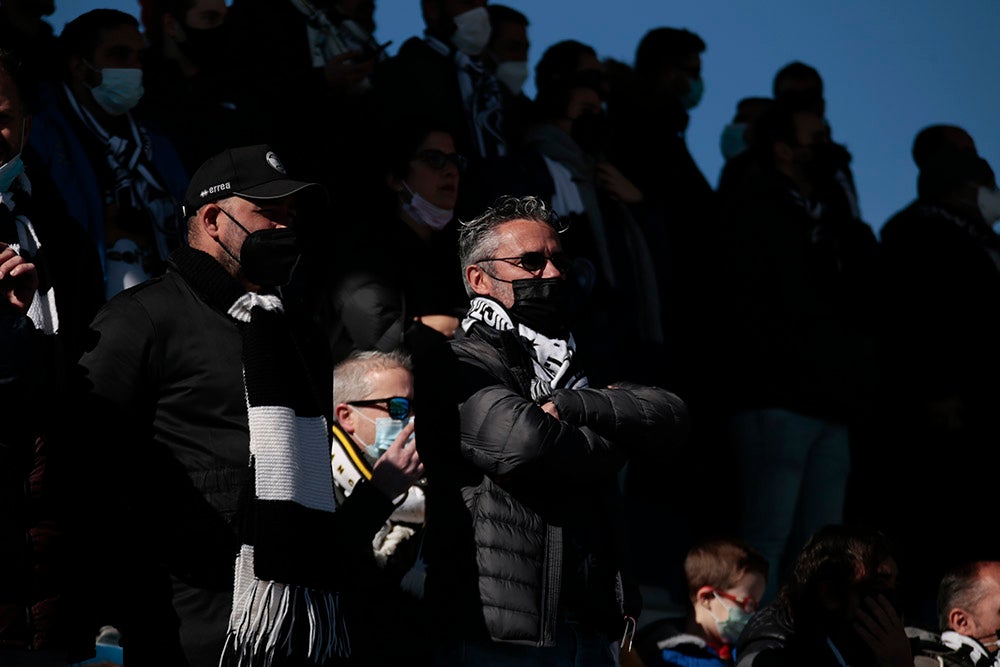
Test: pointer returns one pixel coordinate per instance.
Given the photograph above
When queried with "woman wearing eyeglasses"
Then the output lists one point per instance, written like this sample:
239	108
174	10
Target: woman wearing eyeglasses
403	285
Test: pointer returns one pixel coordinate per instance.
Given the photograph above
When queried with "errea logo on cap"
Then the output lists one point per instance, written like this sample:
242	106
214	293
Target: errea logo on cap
273	160
215	188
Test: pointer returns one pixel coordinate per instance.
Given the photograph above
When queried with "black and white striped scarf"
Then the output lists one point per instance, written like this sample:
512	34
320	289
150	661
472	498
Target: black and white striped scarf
551	358
283	609
134	182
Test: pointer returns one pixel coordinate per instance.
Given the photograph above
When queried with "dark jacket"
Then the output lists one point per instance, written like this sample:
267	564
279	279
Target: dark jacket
526	503
42	493
794	326
166	396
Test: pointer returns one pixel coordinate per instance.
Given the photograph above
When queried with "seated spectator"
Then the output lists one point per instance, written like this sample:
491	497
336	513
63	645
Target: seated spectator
726	580
122	181
969	613
835	609
373	398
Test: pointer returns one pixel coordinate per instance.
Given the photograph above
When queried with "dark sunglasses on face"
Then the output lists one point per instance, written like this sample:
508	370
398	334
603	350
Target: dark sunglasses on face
535	261
439	159
397	406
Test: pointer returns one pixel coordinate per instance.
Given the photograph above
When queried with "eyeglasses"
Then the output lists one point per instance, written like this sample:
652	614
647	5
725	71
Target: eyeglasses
397	406
439	159
747	604
535	261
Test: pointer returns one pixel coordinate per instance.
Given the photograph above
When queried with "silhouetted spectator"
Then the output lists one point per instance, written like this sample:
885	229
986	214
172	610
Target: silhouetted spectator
799	86
940	320
23	31
447	71
507	52
187	88
795	336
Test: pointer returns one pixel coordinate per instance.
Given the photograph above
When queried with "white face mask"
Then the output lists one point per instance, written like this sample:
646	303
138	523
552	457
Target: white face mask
989	204
425	212
513	74
472	31
120	89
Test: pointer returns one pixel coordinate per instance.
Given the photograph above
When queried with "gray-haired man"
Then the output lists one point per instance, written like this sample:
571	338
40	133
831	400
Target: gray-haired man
523	543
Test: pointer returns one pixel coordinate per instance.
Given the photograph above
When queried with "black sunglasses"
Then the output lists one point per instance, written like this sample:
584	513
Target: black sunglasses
535	261
398	407
439	159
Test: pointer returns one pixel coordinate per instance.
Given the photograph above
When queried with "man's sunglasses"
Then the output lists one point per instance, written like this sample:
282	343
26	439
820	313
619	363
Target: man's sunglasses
439	159
398	407
534	262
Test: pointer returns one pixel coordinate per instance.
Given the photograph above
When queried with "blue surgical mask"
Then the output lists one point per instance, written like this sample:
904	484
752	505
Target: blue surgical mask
120	89
732	142
386	431
9	171
692	97
13	168
732	625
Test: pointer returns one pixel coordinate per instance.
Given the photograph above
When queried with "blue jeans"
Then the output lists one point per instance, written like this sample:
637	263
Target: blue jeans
792	472
574	647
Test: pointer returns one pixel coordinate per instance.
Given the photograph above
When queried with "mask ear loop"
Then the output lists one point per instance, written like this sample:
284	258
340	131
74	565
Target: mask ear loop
628	635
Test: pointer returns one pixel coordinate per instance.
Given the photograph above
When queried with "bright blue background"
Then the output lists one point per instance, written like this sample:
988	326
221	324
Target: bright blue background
890	67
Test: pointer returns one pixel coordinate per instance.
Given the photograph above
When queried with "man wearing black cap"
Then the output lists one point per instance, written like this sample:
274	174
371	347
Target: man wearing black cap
212	407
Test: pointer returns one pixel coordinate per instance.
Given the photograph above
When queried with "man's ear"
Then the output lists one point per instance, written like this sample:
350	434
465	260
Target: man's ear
345	417
960	622
208	218
479	280
78	68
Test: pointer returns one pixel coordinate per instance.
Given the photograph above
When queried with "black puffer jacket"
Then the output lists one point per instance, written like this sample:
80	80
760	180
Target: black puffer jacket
529	502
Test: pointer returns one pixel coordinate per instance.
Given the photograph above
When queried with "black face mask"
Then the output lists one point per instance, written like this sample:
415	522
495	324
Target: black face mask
590	132
204	47
268	257
542	304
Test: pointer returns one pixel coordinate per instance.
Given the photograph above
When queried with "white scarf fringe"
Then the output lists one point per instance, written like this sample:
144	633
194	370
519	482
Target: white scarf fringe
267	616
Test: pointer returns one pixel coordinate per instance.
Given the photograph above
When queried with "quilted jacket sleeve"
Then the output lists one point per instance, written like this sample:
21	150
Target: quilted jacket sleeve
636	417
503	432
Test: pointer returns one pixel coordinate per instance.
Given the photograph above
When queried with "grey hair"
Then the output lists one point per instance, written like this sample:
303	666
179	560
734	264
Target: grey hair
352	376
961	587
477	240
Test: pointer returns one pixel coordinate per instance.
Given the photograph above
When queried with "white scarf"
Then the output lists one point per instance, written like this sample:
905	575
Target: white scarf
42	311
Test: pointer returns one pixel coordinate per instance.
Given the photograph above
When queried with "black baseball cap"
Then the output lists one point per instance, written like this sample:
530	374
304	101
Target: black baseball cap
252	172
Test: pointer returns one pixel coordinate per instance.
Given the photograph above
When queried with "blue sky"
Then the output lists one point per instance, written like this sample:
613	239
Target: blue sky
890	67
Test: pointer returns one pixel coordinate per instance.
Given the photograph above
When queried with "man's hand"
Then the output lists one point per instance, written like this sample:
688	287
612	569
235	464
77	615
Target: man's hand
400	467
18	279
342	74
446	325
550	408
619	187
881	628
